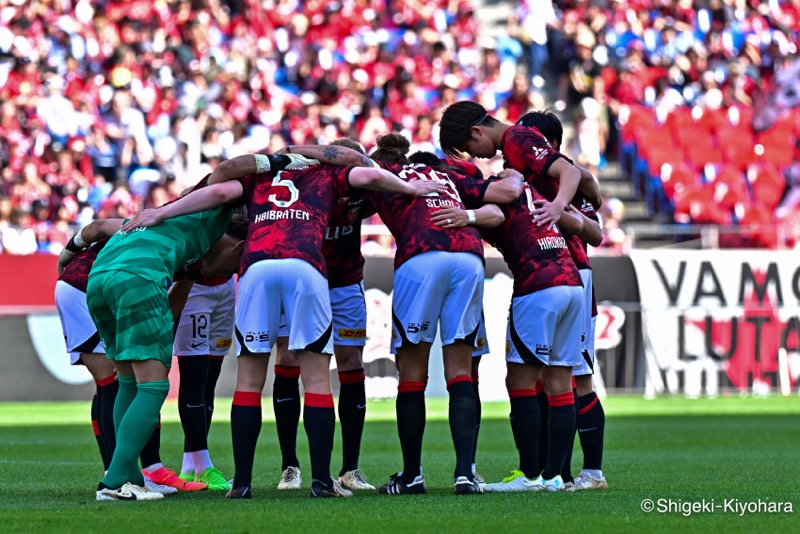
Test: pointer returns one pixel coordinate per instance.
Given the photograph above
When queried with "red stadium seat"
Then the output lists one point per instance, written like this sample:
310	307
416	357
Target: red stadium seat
677	176
761	220
781	155
744	114
636	117
658	156
728	135
729	187
767	185
740	156
695	203
713	119
700	156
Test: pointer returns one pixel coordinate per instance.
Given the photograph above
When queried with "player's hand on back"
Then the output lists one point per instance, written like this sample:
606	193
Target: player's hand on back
426	187
450	218
546	213
64	258
148	217
509	173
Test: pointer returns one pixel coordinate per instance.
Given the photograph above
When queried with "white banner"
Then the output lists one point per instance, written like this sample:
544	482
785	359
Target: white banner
719	319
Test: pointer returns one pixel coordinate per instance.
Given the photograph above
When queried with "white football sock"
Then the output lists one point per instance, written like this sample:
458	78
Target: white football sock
188	465
201	460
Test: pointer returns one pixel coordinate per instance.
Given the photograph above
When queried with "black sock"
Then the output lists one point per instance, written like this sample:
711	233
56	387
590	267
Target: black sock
544	423
352	410
463	417
562	430
107	389
286	403
245	428
319	420
101	444
592	427
214	368
410	408
566	471
525	425
151	452
477	413
191	402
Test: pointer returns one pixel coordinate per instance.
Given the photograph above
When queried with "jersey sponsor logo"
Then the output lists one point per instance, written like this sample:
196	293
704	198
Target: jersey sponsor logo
551	242
260	337
353	333
415	328
335	232
276	215
539	153
224	343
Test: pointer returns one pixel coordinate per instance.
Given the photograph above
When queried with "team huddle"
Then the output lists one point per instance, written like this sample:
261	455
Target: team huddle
162	284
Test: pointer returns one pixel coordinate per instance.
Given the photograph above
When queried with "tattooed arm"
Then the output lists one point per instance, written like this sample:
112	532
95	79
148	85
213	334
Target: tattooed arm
335	155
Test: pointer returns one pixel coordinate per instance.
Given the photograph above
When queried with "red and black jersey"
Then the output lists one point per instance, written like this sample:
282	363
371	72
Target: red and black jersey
409	218
538	257
193	272
76	273
289	212
577	247
526	150
342	244
465	167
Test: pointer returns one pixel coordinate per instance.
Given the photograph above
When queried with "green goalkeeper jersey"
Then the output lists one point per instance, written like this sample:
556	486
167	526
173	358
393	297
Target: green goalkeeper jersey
156	253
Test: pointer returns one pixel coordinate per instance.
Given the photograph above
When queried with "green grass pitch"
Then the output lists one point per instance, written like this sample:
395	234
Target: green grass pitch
668	448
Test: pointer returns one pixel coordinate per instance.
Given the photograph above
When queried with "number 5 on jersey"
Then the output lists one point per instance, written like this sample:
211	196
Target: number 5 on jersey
288	184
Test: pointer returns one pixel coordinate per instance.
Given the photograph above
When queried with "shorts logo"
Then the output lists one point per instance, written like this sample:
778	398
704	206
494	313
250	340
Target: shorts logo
508	348
260	337
544	350
353	333
415	328
224	343
480	342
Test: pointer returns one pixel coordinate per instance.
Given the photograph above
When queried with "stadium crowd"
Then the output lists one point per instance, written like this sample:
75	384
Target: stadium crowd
108	107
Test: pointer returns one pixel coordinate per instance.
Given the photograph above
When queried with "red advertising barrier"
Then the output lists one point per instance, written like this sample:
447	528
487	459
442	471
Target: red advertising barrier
27	281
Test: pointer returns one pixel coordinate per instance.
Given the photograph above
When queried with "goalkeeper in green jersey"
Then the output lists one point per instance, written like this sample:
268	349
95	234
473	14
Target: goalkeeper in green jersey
127	299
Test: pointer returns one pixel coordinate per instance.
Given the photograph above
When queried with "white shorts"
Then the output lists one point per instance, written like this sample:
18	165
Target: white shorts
206	324
287	286
80	333
587	337
544	328
349	311
481	345
435	287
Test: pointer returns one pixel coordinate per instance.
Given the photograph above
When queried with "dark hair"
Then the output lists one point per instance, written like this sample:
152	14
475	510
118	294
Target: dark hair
346	142
392	148
238	226
455	128
425	158
546	122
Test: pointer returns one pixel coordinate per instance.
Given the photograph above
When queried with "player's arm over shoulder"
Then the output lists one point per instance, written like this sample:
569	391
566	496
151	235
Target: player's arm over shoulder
333	154
91	233
505	189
